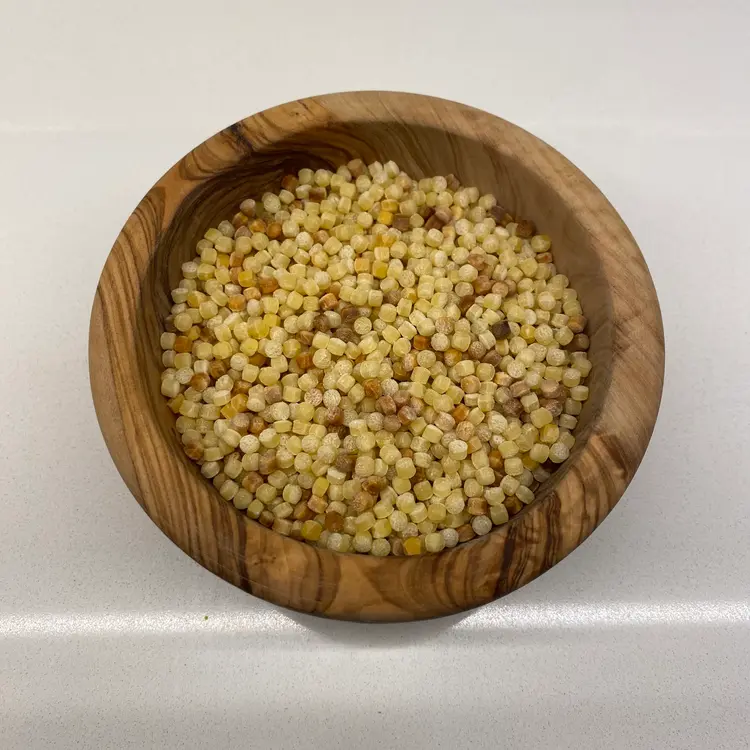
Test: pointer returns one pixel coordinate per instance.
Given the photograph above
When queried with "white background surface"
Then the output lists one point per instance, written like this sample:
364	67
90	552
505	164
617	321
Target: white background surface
640	639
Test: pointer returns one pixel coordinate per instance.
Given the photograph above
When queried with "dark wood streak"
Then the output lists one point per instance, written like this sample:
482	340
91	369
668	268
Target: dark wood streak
553	531
505	584
237	133
425	136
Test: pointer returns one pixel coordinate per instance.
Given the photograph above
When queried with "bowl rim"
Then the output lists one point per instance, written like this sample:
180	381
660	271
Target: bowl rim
323	582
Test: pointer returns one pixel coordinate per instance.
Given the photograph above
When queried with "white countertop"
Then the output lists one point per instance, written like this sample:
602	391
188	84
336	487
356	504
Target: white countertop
640	639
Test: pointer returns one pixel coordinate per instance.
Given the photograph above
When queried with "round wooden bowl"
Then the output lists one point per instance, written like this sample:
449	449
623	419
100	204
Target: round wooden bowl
425	136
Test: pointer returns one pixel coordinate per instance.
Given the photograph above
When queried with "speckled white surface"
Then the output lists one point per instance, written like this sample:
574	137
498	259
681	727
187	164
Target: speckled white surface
640	639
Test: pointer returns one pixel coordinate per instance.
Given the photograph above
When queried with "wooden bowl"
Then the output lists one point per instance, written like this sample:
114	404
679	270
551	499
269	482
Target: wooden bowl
425	136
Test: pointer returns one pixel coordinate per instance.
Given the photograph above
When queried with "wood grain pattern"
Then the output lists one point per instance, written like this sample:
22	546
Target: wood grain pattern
425	136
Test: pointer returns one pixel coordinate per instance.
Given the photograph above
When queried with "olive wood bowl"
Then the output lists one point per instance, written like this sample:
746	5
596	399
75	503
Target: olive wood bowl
425	136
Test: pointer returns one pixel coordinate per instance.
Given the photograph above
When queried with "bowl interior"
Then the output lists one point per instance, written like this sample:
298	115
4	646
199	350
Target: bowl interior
421	151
